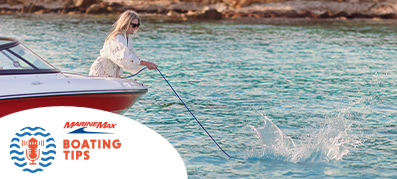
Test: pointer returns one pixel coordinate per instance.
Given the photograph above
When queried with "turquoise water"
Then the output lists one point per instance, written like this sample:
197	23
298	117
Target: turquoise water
286	98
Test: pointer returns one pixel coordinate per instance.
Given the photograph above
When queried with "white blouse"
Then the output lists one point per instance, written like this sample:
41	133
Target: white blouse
117	54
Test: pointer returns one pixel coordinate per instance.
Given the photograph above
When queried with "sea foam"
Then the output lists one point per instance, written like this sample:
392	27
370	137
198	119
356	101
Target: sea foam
331	141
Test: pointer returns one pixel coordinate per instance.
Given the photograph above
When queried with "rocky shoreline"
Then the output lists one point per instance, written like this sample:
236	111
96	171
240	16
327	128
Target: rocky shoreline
212	9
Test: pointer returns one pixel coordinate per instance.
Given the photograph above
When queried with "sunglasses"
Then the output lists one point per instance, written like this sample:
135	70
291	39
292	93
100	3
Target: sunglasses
135	25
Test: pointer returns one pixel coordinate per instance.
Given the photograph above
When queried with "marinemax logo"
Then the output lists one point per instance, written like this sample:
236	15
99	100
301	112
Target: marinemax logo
75	149
83	125
32	149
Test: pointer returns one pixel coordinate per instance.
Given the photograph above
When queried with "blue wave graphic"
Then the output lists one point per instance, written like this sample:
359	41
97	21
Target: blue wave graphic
45	165
35	134
21	135
20	165
14	139
44	135
17	158
32	129
50	145
15	145
50	139
32	171
17	152
50	151
46	159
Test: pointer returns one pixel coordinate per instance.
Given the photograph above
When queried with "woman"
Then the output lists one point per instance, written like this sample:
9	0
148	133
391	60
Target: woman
117	53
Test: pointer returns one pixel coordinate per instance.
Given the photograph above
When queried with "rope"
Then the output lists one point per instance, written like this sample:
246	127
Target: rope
192	113
185	106
134	74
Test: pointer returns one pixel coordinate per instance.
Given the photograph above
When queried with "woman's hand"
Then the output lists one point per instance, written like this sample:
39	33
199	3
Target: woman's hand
149	65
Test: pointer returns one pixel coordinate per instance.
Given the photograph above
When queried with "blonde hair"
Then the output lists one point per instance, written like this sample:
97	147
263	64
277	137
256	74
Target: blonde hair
122	23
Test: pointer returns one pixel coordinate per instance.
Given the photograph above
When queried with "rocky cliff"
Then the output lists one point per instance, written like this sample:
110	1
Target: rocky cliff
212	9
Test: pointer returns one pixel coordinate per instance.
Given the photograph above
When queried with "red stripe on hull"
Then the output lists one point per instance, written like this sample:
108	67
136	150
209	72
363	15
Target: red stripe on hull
112	102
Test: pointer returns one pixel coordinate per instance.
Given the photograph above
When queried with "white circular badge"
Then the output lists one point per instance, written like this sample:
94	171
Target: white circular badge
74	142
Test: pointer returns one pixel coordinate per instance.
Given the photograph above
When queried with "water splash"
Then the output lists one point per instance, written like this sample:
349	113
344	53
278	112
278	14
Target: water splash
330	142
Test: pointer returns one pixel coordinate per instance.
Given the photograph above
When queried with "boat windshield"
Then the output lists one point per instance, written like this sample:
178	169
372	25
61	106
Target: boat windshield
19	59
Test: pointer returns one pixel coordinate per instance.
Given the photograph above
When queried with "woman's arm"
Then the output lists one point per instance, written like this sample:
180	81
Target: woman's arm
123	57
149	65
